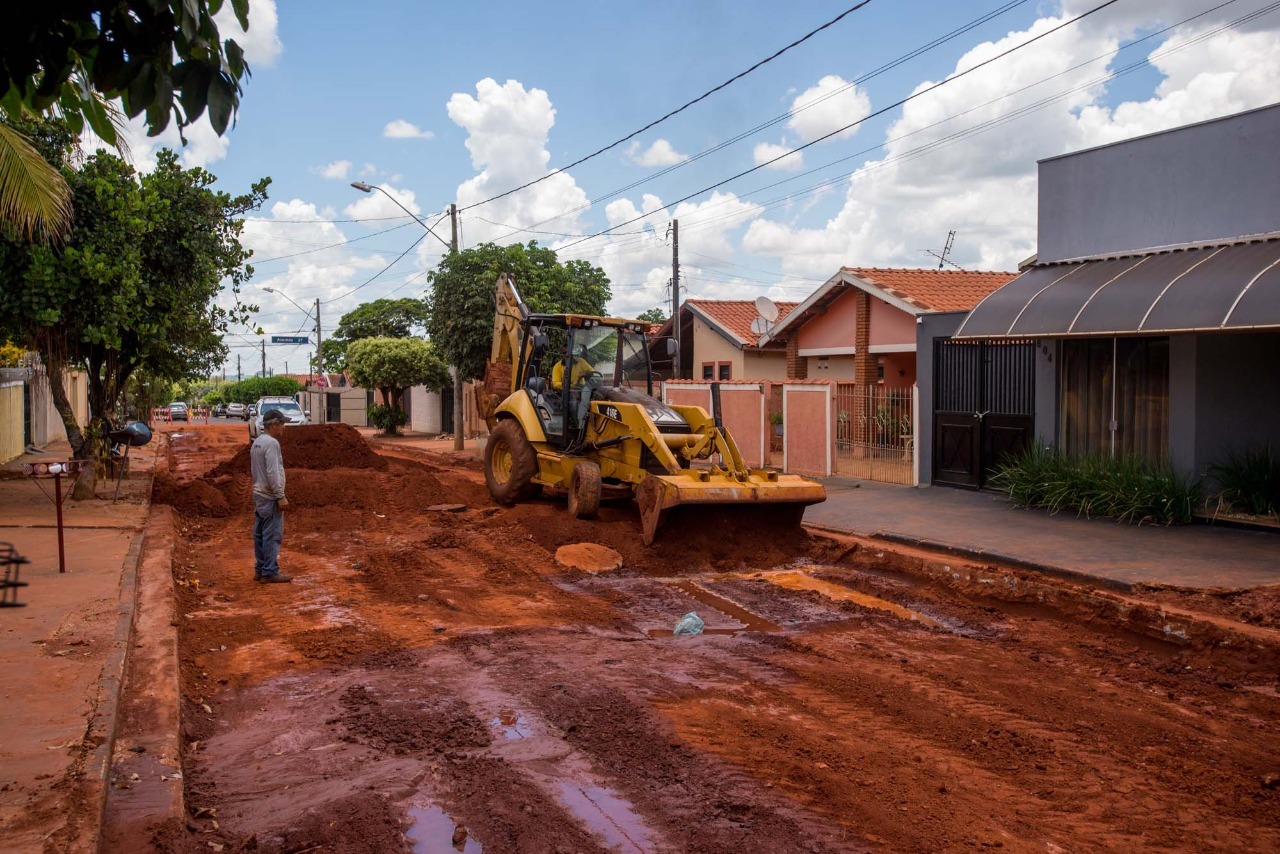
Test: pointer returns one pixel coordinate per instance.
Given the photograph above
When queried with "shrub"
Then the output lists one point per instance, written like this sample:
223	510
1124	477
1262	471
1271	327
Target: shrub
1250	480
387	418
1129	489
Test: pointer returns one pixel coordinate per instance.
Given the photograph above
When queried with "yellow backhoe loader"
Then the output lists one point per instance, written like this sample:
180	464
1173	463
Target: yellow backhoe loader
570	406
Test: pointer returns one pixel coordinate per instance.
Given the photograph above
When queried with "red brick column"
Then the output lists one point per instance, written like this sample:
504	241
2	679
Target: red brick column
797	365
864	369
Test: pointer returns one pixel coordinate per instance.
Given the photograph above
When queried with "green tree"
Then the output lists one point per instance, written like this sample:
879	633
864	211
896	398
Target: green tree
133	286
73	60
250	389
653	315
393	365
382	318
461	310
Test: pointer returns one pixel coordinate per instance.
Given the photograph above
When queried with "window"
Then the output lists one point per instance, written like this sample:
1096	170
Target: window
725	371
708	370
880	369
1115	397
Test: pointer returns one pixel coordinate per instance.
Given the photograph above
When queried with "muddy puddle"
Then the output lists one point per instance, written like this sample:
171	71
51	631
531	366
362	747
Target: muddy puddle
607	816
431	831
797	580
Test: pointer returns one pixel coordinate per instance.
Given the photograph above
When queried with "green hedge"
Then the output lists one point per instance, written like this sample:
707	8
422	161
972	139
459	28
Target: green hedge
1129	489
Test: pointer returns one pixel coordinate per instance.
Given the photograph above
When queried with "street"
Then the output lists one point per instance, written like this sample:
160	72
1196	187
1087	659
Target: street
436	673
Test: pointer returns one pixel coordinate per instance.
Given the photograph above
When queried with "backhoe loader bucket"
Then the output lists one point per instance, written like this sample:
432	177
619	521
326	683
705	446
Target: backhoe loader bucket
767	490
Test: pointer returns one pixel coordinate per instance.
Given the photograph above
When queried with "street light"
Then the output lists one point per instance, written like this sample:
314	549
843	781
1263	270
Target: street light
319	337
453	247
369	188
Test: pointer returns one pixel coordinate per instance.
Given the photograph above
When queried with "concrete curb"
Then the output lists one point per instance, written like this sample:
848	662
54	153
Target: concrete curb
1082	596
97	767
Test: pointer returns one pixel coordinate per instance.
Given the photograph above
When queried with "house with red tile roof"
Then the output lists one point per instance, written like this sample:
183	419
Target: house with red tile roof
718	342
860	326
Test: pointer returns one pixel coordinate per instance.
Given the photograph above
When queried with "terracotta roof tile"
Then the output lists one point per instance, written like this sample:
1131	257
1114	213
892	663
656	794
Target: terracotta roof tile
736	315
934	290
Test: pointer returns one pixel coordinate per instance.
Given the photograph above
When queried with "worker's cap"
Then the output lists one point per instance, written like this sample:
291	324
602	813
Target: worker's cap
272	416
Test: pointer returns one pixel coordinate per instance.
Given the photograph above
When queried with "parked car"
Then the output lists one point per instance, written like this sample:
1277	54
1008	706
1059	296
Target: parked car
251	411
287	405
220	411
178	412
237	410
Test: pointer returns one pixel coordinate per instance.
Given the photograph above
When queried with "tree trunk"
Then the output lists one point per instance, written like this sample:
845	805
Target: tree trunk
55	368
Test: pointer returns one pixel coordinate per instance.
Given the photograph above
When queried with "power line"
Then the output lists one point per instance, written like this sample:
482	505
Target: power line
676	111
379	273
937	42
332	245
879	112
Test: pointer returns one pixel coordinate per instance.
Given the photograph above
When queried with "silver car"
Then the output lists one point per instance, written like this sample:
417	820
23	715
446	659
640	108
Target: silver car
294	416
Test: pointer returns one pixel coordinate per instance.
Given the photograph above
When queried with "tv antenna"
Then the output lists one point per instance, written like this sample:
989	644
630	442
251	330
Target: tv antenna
946	250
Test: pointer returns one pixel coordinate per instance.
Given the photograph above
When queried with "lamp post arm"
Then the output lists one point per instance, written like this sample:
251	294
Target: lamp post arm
369	188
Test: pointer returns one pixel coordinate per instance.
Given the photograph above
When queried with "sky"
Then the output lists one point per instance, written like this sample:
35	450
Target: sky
906	139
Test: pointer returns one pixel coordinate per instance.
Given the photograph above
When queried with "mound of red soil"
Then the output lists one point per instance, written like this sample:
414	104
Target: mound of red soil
197	498
315	446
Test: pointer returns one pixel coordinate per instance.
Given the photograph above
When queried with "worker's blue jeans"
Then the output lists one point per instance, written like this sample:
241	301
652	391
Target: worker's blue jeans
268	531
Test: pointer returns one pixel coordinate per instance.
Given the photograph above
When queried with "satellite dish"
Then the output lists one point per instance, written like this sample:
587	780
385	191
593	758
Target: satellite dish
767	309
759	326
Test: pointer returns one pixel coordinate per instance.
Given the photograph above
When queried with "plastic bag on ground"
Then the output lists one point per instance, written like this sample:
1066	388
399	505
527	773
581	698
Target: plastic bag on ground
690	624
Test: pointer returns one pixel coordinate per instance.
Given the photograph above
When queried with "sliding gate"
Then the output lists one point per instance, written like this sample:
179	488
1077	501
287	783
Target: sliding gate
984	407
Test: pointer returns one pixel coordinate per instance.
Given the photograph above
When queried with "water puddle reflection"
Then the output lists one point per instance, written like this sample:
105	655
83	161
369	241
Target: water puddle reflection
508	720
607	816
432	832
792	580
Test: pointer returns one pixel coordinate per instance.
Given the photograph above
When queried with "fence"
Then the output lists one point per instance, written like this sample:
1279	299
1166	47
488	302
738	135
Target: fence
875	433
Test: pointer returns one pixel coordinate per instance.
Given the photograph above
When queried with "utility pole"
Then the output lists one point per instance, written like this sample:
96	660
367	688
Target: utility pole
319	362
458	442
675	296
264	358
239	376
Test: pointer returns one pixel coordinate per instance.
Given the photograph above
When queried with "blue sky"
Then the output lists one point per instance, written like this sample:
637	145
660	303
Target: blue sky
443	102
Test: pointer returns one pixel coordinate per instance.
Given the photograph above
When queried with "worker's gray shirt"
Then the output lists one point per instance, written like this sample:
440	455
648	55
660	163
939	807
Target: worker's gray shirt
268	468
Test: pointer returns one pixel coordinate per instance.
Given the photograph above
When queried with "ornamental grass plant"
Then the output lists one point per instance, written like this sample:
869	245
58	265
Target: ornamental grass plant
1128	489
1249	480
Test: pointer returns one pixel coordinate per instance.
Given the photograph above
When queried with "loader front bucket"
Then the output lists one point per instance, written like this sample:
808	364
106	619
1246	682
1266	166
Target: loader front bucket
788	493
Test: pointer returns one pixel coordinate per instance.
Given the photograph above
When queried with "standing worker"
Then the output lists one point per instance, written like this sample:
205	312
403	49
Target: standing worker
269	502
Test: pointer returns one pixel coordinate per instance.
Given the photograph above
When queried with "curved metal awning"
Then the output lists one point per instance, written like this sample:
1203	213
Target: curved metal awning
1213	288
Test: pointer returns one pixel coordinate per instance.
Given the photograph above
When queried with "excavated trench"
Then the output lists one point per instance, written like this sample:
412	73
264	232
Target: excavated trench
435	681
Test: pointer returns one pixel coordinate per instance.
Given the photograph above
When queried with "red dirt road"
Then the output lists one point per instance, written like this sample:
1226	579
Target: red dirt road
435	681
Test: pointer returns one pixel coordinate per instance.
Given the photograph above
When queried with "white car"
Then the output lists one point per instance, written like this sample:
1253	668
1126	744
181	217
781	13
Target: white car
236	410
294	416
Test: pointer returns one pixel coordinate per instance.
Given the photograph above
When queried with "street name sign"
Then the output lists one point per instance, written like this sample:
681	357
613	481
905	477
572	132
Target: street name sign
290	339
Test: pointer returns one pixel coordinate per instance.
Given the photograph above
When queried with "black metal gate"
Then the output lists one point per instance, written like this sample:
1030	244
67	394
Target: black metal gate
983	407
446	410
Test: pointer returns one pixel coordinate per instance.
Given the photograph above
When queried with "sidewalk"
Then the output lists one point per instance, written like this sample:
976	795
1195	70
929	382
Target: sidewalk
982	524
62	653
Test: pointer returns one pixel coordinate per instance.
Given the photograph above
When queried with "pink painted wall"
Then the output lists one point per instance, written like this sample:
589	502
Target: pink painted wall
894	362
684	396
833	329
807	429
890	325
744	413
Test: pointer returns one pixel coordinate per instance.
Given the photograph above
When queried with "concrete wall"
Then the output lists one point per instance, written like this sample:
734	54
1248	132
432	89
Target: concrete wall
929	327
1236	393
838	368
808	439
424	411
763	365
710	346
355	404
1198	183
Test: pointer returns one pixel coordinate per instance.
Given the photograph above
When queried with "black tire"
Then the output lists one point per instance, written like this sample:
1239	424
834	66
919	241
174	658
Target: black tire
584	490
509	463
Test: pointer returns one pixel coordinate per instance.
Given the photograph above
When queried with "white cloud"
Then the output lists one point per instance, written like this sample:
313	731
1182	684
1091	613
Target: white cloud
401	129
833	103
338	170
376	205
261	44
507	132
661	153
764	152
938	173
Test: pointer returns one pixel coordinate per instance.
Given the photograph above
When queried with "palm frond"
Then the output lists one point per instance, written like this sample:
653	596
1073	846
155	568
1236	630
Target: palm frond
35	201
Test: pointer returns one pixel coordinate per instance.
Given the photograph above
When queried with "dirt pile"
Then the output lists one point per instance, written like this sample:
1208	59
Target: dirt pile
197	498
315	446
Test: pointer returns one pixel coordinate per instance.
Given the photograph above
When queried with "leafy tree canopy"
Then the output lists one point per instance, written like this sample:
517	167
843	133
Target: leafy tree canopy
135	283
382	318
393	365
653	315
461	311
250	389
162	57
